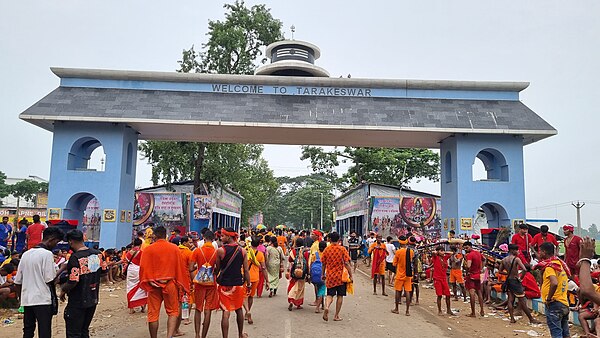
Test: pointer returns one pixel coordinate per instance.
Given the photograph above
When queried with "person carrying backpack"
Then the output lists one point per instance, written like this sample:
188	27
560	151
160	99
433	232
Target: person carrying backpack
297	274
205	287
317	277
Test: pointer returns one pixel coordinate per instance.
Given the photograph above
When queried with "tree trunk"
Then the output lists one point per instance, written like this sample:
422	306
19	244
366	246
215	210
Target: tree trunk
198	165
18	211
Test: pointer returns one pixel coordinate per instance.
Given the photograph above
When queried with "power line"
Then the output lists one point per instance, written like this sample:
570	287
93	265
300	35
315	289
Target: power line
550	206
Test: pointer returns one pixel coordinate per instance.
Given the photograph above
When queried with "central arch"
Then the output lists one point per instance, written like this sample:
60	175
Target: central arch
495	214
76	209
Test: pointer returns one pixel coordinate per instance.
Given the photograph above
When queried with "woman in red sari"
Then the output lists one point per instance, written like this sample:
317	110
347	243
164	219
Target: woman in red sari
136	296
297	275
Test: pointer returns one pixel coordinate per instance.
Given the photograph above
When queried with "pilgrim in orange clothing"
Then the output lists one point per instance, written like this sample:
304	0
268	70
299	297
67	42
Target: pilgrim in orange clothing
204	259
378	251
231	261
282	242
162	275
404	272
185	246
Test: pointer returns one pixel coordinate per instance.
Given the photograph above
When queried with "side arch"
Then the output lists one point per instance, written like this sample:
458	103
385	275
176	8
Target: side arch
81	152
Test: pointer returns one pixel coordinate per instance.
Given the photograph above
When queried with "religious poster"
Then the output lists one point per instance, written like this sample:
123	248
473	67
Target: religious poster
143	206
517	223
353	203
41	200
109	215
123	216
128	216
480	222
226	202
466	224
91	221
166	209
452	224
418	211
445	224
202	207
54	214
385	215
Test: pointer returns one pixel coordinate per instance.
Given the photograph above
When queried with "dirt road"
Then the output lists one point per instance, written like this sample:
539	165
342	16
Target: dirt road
364	314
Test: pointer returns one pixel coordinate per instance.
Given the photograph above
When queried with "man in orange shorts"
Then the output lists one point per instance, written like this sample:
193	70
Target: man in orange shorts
162	276
205	287
456	274
378	252
231	261
256	263
403	263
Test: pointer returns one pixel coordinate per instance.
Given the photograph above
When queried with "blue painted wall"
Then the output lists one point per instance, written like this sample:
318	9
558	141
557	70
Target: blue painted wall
461	196
114	187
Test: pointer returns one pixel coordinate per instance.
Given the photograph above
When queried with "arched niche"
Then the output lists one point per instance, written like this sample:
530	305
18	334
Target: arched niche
448	167
86	154
495	167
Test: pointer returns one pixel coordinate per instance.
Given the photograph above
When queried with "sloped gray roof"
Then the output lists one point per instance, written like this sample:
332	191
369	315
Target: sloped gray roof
287	119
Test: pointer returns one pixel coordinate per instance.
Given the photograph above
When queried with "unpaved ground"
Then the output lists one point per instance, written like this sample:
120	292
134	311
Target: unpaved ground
364	315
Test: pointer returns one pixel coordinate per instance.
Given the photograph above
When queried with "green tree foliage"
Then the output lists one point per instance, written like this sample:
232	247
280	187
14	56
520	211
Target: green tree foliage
298	202
393	166
234	44
593	231
4	188
27	189
233	47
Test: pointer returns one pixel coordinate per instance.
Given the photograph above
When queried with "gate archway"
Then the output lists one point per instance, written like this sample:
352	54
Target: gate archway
119	107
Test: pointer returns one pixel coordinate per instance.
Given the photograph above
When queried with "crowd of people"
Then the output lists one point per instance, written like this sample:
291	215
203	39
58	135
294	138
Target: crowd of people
527	267
228	271
194	275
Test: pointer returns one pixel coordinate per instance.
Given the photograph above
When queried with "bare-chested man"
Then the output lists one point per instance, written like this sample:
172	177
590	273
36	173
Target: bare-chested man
512	264
456	274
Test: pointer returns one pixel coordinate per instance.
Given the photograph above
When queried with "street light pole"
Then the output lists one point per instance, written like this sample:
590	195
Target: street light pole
321	224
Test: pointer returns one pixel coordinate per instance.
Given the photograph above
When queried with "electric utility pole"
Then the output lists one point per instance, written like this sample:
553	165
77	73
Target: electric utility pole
578	206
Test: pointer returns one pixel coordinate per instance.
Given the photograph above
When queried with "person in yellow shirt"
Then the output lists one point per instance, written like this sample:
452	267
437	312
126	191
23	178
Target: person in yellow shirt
554	291
148	236
256	262
317	237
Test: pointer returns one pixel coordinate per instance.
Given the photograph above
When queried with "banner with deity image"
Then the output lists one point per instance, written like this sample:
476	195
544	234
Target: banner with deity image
420	216
202	207
92	219
385	215
165	209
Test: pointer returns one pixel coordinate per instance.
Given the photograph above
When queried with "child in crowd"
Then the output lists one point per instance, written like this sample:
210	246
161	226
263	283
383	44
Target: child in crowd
321	289
6	283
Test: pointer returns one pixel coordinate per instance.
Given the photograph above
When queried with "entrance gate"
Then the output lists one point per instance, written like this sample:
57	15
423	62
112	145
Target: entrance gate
464	119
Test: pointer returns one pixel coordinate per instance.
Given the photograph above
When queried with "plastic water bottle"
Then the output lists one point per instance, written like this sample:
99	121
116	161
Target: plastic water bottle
185	307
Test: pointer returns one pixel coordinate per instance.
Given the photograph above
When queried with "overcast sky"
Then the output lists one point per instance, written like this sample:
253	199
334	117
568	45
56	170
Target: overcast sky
554	45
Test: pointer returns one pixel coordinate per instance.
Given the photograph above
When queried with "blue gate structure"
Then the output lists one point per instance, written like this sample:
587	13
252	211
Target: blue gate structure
290	101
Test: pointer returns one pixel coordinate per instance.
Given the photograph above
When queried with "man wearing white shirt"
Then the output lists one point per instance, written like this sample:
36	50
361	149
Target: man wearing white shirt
34	281
389	259
370	242
201	242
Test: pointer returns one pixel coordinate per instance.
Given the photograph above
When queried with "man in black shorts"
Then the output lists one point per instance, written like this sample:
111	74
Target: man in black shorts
335	259
511	265
354	247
